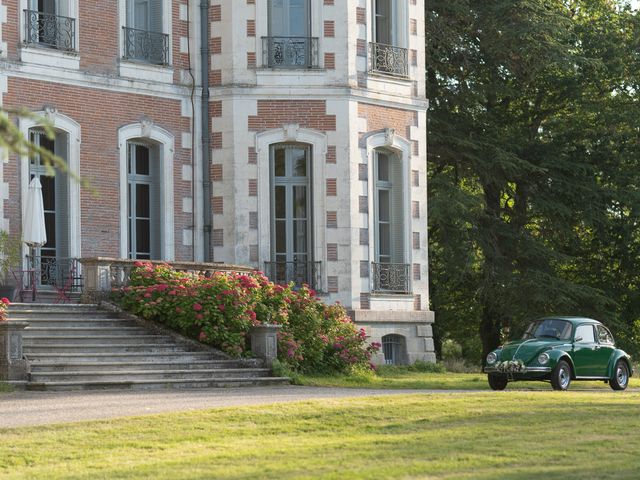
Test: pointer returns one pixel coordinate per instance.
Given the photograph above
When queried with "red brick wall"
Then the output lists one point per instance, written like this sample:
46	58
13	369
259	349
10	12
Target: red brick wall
307	113
100	114
379	117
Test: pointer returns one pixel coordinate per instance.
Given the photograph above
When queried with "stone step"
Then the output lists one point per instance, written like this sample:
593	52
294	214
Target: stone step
28	315
80	340
55	306
159	384
64	357
63	331
90	323
147	375
105	348
151	364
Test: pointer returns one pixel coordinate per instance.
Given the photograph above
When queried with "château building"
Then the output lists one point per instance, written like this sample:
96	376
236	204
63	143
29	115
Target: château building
285	135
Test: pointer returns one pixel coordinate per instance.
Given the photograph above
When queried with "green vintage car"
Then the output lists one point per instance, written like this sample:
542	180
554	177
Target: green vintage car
560	349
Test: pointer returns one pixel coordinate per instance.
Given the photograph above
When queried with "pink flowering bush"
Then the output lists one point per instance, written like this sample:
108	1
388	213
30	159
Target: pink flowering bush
219	310
4	306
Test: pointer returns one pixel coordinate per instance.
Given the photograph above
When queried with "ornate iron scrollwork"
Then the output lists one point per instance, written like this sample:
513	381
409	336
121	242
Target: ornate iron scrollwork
297	272
49	30
290	52
390	277
145	46
389	60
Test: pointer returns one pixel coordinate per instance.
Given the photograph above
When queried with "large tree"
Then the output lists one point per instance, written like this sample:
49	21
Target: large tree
533	164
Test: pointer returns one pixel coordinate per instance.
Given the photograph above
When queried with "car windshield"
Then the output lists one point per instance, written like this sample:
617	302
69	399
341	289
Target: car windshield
548	328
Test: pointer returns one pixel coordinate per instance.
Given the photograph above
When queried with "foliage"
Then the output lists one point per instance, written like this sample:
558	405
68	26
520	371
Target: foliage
534	166
10	255
4	306
220	310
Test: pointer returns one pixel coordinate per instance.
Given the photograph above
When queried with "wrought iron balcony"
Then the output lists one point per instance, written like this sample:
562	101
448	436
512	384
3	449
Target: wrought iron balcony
290	52
389	60
390	277
54	31
299	273
145	46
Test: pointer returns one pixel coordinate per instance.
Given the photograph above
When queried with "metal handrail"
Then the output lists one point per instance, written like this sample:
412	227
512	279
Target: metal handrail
146	46
389	60
299	273
390	277
290	52
46	29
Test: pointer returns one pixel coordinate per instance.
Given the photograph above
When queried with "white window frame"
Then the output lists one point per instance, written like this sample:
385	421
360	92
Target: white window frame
317	142
401	147
72	130
142	71
165	141
401	22
50	57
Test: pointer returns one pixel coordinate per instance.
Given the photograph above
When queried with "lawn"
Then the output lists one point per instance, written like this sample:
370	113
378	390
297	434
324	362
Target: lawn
398	378
475	435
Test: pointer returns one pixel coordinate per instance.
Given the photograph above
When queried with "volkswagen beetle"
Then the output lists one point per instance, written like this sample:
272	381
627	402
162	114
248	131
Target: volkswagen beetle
559	350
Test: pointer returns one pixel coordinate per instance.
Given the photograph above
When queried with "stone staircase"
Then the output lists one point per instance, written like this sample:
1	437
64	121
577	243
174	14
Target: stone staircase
77	347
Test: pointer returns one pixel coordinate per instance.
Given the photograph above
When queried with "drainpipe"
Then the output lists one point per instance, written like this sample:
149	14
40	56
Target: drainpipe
206	128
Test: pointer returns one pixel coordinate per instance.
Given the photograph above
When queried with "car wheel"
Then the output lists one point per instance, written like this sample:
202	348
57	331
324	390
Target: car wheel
497	382
620	378
561	376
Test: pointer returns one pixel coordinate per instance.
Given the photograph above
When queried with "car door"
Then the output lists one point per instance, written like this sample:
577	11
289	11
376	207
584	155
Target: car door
585	351
604	350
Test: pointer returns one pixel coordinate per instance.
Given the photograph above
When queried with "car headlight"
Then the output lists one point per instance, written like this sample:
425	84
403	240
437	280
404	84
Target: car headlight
543	358
491	358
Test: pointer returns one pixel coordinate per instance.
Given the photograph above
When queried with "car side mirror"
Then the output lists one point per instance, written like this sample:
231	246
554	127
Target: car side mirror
577	339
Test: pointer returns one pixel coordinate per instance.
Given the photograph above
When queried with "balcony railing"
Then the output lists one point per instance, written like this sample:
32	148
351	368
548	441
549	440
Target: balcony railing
389	60
145	46
49	30
290	52
297	272
390	277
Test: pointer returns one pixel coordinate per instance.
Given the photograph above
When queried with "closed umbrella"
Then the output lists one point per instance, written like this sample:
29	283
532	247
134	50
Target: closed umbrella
34	233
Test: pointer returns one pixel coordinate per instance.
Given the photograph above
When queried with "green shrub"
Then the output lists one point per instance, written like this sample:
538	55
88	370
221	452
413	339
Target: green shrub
451	350
220	310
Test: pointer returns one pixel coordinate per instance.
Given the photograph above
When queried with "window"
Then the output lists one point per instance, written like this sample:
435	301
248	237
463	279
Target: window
390	270
394	348
604	335
143	206
289	44
55	199
291	257
388	53
584	334
144	39
48	23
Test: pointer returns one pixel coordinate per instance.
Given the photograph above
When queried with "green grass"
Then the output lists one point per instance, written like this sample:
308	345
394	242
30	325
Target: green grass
482	435
5	388
402	378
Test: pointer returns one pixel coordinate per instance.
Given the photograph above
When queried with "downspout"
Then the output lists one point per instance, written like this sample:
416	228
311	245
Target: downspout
206	128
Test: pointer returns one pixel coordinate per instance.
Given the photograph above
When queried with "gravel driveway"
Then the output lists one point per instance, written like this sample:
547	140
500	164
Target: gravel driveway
22	408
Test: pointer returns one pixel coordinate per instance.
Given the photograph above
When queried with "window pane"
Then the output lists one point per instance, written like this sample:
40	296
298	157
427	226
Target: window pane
383	167
143	236
603	335
300	236
48	192
384	244
142	160
299	158
384	205
300	202
383	21
50	228
298	18
281	202
279	164
143	207
586	332
281	236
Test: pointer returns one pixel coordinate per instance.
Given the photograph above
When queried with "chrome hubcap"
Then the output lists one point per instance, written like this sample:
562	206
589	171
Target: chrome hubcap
564	378
621	375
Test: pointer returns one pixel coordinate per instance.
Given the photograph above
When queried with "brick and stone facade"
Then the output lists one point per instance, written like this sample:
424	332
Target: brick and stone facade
340	110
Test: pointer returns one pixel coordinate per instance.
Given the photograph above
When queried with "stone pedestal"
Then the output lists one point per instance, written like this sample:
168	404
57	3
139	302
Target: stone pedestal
13	366
264	342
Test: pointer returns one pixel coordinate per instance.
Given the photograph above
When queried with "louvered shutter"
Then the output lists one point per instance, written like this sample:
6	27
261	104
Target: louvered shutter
397	210
155	16
62	198
155	168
